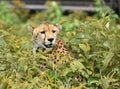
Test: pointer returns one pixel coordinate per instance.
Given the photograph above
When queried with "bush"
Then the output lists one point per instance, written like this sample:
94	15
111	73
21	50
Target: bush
6	15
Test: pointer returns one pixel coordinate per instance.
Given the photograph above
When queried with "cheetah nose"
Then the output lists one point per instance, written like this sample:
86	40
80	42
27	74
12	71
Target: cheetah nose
50	39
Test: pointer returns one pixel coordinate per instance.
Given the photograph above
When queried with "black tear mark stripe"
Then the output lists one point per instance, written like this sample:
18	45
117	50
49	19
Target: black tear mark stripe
45	38
37	35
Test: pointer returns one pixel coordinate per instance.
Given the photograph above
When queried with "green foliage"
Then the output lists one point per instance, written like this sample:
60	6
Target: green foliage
6	15
103	10
95	44
52	15
22	13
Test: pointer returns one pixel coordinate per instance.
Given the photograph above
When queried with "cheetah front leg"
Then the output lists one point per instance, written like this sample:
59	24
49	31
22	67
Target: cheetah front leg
35	47
34	50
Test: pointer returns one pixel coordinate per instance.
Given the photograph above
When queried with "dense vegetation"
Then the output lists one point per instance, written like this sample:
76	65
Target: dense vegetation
94	40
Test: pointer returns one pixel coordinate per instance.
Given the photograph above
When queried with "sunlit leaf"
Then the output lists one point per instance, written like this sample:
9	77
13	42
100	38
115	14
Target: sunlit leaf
83	47
87	47
2	42
66	71
108	59
76	65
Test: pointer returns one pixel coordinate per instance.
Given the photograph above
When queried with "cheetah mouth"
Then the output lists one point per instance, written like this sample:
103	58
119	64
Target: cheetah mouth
48	45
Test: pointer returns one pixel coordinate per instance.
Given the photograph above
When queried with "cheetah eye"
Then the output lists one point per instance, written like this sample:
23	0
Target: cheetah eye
42	32
53	31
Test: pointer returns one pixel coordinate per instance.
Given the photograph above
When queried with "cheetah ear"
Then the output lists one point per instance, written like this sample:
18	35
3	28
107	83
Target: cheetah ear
59	27
30	28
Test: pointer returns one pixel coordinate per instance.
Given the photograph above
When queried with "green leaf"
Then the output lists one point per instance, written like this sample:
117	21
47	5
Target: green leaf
4	85
107	59
66	71
2	42
76	65
106	44
93	80
104	83
2	68
83	47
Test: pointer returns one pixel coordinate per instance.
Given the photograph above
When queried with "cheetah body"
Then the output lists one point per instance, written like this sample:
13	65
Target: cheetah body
45	37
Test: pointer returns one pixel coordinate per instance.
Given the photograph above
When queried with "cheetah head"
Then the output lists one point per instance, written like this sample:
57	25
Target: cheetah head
45	35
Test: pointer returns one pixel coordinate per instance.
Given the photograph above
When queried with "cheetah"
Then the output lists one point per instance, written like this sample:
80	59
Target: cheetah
45	37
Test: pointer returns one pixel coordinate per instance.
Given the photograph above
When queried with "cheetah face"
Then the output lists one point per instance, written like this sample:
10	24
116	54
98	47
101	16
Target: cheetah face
45	35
